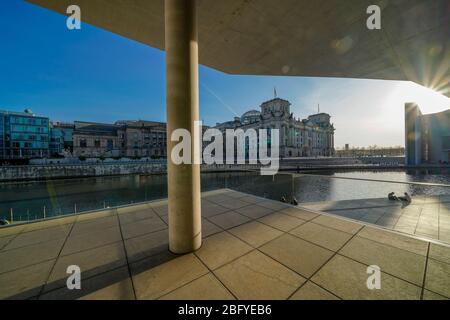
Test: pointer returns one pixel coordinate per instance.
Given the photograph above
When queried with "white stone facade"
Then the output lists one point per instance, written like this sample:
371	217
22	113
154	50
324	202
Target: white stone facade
312	137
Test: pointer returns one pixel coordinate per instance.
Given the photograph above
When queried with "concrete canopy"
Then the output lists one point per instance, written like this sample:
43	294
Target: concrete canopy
320	38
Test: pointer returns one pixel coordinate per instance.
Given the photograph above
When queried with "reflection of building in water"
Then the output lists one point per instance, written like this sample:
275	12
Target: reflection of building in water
298	138
427	136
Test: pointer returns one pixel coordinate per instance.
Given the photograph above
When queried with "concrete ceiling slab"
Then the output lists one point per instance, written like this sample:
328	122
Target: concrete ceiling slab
320	38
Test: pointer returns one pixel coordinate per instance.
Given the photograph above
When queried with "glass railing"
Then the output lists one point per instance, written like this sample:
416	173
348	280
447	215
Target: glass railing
30	201
363	196
360	195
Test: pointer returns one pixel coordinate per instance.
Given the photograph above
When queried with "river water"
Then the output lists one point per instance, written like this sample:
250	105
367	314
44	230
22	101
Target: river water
31	200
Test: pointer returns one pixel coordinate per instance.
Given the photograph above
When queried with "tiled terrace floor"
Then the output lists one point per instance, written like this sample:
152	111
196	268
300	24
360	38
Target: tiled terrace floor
253	249
425	217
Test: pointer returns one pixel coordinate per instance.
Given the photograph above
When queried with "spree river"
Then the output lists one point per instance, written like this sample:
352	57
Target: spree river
31	200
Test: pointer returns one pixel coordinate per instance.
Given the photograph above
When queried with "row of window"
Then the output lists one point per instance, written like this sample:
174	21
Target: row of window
29	145
27	120
30	137
20	128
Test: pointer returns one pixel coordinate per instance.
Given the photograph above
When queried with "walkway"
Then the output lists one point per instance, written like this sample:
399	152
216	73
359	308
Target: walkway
253	249
427	217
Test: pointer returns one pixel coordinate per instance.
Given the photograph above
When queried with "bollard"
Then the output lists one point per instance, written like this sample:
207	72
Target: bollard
45	214
11	215
75	208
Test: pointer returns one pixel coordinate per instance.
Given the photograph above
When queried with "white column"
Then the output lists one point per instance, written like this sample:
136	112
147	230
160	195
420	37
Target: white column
182	111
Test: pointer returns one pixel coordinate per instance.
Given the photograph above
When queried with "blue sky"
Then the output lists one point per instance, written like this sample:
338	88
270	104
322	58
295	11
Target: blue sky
94	75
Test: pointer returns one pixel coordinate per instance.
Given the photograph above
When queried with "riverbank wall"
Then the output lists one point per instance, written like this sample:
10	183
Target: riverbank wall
100	169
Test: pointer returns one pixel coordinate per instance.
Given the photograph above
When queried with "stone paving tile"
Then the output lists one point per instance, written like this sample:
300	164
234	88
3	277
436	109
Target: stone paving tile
147	245
440	253
26	256
387	222
236	194
234	204
406	223
251	199
258	277
323	236
91	263
34	237
282	221
338	224
5	240
50	223
210	209
395	240
205	288
144	213
208	228
311	291
94	225
91	240
274	205
136	208
142	227
405	229
427	233
153	283
165	219
348	280
428	295
161	210
299	213
111	285
438	277
229	220
220	198
8	231
301	256
220	249
96	215
255	233
26	282
254	211
397	262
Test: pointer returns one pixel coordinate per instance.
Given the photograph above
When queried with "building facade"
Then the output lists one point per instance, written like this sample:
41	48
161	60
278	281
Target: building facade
23	135
61	137
143	139
134	139
427	137
312	137
92	139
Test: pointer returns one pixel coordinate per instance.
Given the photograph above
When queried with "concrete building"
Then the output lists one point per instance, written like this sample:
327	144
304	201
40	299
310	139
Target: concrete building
92	139
427	137
142	139
23	135
122	139
66	134
310	137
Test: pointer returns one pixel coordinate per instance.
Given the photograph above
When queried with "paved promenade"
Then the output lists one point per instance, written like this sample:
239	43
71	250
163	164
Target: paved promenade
253	249
427	217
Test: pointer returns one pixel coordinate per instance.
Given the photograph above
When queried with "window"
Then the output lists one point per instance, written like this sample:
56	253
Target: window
97	143
83	143
446	143
110	145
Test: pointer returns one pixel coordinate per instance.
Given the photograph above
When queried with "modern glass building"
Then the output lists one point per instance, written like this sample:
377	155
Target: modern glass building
23	135
427	136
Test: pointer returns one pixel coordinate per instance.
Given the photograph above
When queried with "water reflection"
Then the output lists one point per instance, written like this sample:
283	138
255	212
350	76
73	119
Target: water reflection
33	200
